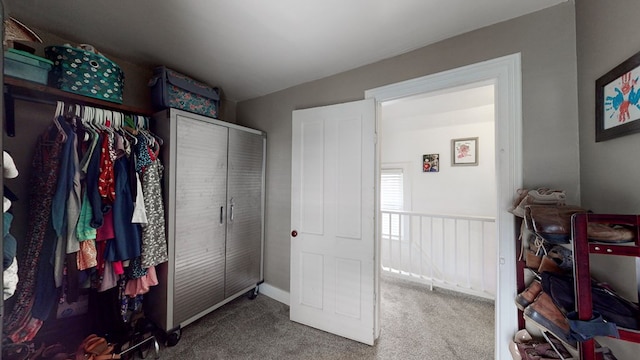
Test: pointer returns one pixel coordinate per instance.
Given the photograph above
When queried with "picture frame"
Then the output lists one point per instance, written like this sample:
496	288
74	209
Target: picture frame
618	101
464	152
431	163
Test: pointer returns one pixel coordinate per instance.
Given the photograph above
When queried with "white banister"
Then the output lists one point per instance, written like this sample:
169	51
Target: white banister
461	256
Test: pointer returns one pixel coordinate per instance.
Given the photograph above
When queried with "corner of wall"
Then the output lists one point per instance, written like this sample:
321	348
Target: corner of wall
275	293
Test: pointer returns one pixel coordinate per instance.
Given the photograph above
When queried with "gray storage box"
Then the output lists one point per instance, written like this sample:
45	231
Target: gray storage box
26	66
171	89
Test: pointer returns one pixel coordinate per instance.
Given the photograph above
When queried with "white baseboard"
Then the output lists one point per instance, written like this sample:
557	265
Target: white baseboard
274	293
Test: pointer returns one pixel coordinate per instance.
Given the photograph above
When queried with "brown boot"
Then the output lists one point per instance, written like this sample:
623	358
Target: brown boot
544	312
549	264
552	223
529	295
531	260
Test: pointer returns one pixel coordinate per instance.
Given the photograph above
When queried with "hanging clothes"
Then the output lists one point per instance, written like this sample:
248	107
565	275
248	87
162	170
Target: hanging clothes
91	195
74	202
46	285
42	184
154	242
126	242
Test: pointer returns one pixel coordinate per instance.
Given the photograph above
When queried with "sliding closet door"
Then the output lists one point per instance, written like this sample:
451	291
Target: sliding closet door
244	196
200	226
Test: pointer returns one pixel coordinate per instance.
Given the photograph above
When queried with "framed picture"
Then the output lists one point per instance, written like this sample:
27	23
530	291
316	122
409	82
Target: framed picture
464	152
431	163
618	101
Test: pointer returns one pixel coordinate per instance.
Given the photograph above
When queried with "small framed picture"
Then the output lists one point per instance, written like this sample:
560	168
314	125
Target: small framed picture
431	163
464	152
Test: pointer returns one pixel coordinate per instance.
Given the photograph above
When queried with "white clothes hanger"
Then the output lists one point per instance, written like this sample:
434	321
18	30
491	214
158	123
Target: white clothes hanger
59	112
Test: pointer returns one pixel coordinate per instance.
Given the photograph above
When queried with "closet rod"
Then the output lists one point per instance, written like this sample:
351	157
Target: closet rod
10	111
9	104
32	99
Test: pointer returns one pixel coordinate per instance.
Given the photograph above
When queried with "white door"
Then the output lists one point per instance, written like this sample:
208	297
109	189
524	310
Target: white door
332	219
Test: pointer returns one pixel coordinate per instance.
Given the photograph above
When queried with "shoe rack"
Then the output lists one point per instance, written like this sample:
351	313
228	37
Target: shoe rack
581	250
521	284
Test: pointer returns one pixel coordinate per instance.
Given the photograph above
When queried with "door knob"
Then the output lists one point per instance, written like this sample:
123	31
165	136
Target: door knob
294	233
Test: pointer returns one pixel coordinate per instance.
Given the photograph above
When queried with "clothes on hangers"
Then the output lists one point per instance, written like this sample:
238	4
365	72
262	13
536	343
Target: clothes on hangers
10	244
43	184
92	182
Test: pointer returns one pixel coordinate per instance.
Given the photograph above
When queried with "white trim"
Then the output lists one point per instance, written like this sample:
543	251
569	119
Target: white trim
505	74
274	293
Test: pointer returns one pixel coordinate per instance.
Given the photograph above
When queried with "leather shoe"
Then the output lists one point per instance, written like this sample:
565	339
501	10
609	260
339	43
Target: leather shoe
552	223
542	196
544	312
548	264
609	234
529	295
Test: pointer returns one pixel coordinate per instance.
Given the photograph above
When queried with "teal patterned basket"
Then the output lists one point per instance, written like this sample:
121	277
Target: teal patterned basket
85	73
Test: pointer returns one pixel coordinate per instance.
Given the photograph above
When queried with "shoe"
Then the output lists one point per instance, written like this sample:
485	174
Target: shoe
548	264
528	348
562	256
516	209
541	196
542	351
547	196
18	351
531	260
521	337
609	234
552	223
529	295
544	312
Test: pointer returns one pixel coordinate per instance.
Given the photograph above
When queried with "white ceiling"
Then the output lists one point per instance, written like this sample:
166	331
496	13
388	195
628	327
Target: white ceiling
254	47
453	106
437	102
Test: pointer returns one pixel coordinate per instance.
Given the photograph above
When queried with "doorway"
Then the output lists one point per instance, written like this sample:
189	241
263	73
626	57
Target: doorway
505	74
438	189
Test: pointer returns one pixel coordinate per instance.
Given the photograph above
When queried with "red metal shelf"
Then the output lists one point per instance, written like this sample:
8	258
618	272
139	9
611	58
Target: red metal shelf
581	250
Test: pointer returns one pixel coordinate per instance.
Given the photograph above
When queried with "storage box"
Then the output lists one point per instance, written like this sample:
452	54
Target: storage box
169	88
21	64
85	73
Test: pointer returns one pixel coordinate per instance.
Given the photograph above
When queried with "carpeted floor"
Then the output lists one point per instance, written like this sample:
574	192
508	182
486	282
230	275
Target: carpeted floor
416	324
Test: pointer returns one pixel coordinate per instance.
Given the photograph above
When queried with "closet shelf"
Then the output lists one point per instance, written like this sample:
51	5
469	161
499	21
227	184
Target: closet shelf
39	91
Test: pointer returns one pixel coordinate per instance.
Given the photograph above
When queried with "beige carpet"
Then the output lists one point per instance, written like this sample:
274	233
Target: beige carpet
416	324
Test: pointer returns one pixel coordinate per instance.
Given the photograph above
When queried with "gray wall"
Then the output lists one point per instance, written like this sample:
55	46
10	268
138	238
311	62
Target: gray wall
607	36
546	40
609	171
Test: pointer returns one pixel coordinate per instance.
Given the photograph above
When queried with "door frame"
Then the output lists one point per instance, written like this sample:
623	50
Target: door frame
505	74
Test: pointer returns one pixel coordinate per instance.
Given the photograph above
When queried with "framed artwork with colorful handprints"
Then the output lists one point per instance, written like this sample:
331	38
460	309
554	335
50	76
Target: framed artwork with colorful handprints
618	101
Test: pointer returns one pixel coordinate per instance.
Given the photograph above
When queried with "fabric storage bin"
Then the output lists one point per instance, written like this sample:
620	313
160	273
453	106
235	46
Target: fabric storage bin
169	88
85	73
22	65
